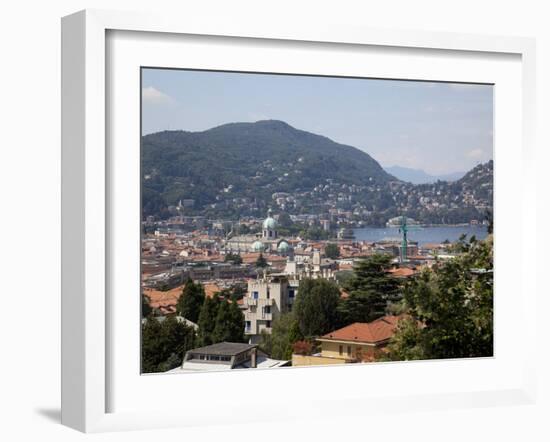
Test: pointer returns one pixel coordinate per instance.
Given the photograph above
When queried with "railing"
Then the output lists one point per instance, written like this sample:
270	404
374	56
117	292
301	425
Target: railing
260	301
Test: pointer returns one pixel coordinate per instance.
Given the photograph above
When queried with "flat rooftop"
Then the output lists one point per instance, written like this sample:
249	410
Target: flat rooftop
223	349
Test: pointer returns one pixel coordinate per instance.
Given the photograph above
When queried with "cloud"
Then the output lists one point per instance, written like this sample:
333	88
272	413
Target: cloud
475	154
153	96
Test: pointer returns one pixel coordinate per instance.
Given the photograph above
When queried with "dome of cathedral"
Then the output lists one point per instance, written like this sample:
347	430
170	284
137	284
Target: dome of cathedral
269	223
283	246
257	246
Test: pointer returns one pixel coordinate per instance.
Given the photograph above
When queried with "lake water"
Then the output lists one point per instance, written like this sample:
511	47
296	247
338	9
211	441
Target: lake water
421	234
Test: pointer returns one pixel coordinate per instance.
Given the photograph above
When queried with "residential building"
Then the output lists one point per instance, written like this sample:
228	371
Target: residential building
357	342
226	356
266	299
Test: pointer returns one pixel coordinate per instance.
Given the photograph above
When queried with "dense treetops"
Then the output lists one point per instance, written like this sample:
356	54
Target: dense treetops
197	165
190	301
454	304
371	289
165	341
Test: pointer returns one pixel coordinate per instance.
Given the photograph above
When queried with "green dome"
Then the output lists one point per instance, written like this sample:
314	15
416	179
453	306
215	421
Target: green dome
283	246
257	246
269	223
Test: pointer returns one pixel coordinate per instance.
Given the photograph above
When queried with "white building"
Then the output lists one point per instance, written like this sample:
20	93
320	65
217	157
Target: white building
266	299
268	241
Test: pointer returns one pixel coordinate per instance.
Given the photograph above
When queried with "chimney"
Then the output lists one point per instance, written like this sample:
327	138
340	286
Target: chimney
253	356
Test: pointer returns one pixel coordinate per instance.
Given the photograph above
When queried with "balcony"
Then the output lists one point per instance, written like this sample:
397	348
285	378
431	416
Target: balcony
261	302
265	316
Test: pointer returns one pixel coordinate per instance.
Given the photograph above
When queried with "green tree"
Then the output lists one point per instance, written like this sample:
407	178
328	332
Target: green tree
314	233
454	301
177	338
191	300
284	334
261	262
332	251
285	221
207	320
163	344
234	258
222	327
371	289
146	309
407	343
229	324
151	345
315	308
489	219
236	328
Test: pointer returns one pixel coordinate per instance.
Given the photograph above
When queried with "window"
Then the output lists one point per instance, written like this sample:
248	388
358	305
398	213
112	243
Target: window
267	293
268	324
247	325
291	293
341	350
255	295
267	309
349	350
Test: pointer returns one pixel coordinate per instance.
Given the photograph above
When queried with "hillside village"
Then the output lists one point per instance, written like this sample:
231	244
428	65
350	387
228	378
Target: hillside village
312	176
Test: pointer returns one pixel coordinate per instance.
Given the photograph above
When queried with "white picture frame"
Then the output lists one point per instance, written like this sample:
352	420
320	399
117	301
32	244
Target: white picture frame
86	216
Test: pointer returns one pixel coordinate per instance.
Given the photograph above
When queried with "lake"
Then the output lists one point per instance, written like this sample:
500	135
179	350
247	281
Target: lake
421	234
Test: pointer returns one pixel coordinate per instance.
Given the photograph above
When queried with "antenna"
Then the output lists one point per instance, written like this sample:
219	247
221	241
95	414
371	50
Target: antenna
404	229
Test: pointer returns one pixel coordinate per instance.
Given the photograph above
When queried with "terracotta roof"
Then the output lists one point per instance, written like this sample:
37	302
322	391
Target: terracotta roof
160	298
249	258
210	289
402	272
345	266
374	332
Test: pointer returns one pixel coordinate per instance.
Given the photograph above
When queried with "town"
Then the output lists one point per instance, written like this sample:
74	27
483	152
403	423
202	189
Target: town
262	293
331	202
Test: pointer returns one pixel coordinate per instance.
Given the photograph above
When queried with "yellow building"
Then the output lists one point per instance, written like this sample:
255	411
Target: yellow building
358	342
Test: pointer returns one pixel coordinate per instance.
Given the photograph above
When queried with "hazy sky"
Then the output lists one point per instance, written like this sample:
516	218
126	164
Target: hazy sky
437	127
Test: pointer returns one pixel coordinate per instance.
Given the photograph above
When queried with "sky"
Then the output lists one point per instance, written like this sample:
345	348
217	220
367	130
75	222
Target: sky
437	127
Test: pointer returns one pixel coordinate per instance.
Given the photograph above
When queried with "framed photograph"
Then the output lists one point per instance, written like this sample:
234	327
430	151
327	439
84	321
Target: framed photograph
267	215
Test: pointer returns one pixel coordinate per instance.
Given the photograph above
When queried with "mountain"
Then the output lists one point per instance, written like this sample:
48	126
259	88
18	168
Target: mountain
418	176
243	169
247	160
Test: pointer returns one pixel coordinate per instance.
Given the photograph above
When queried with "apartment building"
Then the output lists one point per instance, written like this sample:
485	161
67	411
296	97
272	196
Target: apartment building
266	299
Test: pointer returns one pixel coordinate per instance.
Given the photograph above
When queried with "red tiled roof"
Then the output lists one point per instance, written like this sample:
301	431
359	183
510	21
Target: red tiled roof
402	272
211	289
249	258
160	298
374	332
